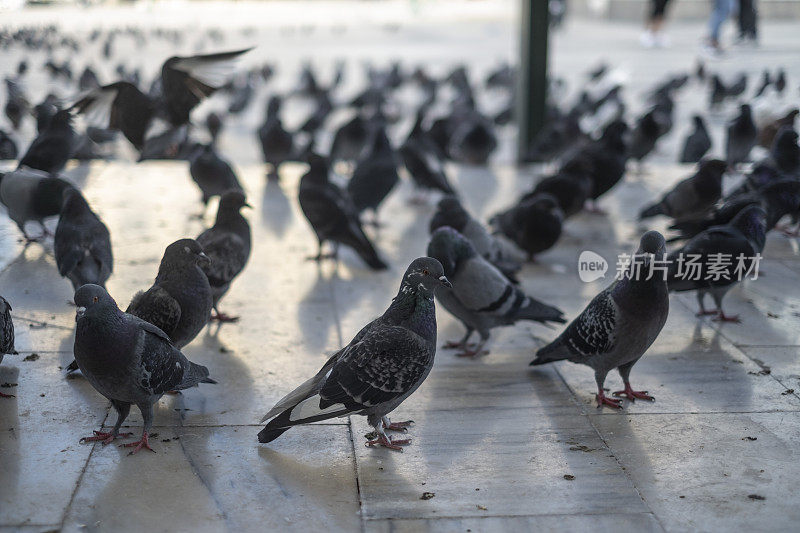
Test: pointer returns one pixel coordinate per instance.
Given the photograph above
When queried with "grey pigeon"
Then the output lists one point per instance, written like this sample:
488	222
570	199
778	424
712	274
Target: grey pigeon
82	243
692	197
697	143
332	215
180	300
744	237
534	224
31	195
211	173
227	243
481	297
451	213
276	143
619	324
6	334
375	175
382	366
127	360
741	136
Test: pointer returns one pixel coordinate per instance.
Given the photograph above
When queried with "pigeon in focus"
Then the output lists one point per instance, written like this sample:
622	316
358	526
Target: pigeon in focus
618	326
534	224
375	175
227	243
180	300
53	146
692	197
741	136
741	242
481	297
332	215
450	212
211	173
127	360
30	195
6	334
697	143
382	366
276	142
82	243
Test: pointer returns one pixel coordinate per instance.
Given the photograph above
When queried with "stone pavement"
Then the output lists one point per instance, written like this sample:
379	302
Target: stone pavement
493	439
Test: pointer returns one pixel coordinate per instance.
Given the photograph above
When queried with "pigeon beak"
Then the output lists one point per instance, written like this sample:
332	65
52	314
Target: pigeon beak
205	259
444	281
79	313
248	205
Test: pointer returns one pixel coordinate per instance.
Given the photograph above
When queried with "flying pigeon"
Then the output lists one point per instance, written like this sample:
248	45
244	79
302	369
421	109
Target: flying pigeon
227	243
481	297
619	324
382	366
127	360
82	243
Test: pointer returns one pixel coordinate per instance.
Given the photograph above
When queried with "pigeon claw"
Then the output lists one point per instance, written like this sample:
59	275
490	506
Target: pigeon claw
633	395
706	312
138	445
222	317
602	400
4	395
399	426
105	437
388	443
472	352
722	317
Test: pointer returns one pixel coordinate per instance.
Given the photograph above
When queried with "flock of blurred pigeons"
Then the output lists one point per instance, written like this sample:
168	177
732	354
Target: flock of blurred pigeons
134	357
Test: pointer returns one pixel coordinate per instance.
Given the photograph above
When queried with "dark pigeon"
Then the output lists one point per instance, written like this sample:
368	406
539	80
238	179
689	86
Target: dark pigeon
375	175
692	197
534	224
8	148
697	143
6	334
350	140
211	173
53	146
785	152
276	142
741	136
30	195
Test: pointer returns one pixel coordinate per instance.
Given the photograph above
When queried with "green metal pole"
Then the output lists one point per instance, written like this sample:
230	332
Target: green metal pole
532	84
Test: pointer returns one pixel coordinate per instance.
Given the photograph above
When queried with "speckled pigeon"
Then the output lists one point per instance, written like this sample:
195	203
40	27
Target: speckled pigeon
716	274
382	366
619	324
6	334
127	360
82	243
692	197
31	195
227	244
481	297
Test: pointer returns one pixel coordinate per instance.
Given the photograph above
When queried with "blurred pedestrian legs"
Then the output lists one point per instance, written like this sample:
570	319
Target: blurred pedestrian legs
748	22
653	35
720	13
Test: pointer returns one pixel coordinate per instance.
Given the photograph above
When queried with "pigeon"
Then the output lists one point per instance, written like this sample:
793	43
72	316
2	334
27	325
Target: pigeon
382	366
692	197
227	243
375	175
127	360
31	195
88	80
717	252
697	143
184	81
425	167
607	157
571	186
741	136
332	215
6	334
180	300
8	148
481	297
618	326
350	140
53	146
785	152
738	87
780	81
473	140
320	114
16	104
534	224
211	173
557	135
214	126
766	135
82	243
450	212
276	142
644	136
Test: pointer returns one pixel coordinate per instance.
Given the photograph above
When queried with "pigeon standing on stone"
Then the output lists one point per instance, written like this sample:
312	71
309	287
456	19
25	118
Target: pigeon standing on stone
697	143
6	334
382	366
53	146
276	142
375	175
785	152
693	196
211	173
619	324
741	136
30	195
82	243
644	136
332	215
180	300
350	140
214	125
127	360
571	186
743	237
481	297
227	243
534	224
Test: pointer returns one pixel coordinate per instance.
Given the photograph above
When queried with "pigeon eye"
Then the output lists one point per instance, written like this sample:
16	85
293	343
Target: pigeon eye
426	273
94	299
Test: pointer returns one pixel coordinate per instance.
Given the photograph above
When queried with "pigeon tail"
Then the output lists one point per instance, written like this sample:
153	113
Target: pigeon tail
540	312
361	244
269	434
653	210
555	351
